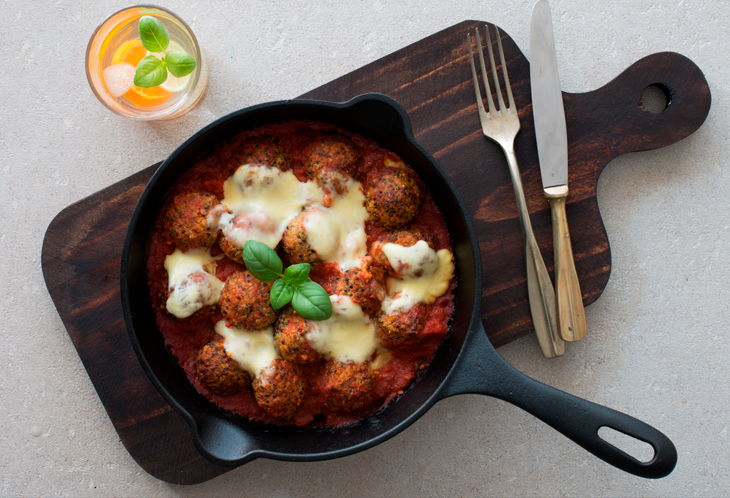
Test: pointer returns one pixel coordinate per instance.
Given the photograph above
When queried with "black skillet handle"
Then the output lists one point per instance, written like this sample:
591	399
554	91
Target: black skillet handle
481	370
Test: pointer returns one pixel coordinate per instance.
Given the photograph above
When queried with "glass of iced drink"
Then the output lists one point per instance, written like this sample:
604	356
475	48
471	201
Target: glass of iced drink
115	51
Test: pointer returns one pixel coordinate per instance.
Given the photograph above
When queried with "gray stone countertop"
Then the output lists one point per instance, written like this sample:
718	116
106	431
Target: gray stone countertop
657	344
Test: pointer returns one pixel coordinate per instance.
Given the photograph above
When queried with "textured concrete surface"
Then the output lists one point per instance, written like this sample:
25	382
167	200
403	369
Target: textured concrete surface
657	345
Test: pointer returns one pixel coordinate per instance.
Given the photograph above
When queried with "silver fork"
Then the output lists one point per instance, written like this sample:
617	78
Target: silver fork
501	126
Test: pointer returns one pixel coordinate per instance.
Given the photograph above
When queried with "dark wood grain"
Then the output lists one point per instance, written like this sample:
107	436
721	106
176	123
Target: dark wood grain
432	80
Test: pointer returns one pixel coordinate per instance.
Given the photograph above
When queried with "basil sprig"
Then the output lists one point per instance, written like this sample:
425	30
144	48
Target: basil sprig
308	298
154	34
152	71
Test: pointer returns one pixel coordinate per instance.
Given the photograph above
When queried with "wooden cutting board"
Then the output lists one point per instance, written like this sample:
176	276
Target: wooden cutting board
432	80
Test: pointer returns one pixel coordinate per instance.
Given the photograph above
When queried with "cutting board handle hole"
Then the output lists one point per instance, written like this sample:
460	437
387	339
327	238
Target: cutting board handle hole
638	449
655	98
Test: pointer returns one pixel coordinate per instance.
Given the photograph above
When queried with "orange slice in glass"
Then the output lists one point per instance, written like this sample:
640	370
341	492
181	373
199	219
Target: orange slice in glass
148	97
132	52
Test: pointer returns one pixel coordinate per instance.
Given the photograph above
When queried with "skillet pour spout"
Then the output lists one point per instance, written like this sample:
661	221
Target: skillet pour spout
466	362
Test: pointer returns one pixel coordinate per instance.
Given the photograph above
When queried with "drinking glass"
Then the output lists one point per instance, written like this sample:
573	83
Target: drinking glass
116	41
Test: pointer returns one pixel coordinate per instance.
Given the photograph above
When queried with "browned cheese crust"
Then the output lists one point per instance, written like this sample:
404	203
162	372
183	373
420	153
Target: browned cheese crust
246	302
220	373
290	338
336	152
294	242
279	389
186	220
401	330
347	386
393	199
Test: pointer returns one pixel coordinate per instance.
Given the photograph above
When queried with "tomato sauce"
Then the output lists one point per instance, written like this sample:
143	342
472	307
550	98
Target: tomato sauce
185	338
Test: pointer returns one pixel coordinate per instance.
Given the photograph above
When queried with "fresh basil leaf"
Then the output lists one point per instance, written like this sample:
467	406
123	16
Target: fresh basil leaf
297	274
153	34
179	63
281	293
311	301
262	261
150	72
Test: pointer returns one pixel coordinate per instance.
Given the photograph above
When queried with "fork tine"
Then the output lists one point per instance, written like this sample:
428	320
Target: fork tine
494	69
504	72
490	101
480	105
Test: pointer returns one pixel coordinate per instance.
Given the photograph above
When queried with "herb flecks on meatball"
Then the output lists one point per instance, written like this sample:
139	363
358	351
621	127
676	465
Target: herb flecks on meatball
401	329
279	389
294	242
186	220
332	152
220	373
246	302
348	386
362	286
290	338
263	150
393	199
230	248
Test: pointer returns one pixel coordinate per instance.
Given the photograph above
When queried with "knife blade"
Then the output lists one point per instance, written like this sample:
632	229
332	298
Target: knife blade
552	147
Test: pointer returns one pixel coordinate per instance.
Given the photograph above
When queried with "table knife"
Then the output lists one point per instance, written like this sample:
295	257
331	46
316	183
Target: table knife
552	147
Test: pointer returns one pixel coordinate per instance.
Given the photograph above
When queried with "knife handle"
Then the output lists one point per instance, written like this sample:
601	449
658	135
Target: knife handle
571	315
540	292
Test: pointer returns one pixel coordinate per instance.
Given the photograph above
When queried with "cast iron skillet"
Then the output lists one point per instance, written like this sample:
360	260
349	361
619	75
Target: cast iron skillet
465	363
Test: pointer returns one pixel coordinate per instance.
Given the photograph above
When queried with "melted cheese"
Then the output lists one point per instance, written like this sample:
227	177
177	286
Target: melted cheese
383	358
337	232
426	275
389	163
261	201
412	262
252	350
348	334
192	281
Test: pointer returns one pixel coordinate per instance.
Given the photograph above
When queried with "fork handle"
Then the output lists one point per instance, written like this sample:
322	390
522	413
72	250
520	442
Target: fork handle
540	290
571	315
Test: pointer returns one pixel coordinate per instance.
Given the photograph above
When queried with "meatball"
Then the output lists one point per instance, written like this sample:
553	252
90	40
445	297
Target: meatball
336	152
246	301
394	198
245	225
294	242
279	389
362	286
220	373
262	150
186	220
332	182
163	294
230	248
406	237
347	386
401	329
290	338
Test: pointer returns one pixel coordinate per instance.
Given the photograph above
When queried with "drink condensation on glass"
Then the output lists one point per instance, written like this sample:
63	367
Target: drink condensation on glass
115	49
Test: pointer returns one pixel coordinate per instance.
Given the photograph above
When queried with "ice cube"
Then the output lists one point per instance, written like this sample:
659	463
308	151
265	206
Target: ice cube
119	78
